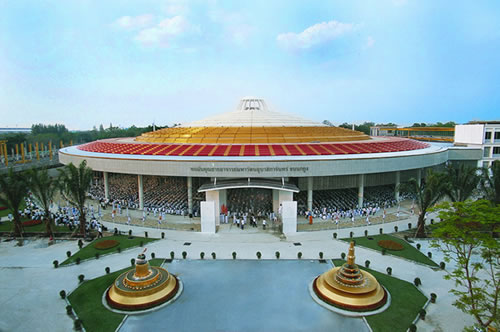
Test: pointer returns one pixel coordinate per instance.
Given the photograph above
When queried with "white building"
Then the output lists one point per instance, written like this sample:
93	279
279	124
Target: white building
480	134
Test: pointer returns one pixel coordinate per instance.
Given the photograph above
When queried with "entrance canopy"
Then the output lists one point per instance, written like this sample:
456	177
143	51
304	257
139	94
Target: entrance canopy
249	183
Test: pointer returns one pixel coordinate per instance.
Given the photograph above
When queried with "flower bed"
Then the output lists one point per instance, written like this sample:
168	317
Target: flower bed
106	244
31	223
3	208
390	245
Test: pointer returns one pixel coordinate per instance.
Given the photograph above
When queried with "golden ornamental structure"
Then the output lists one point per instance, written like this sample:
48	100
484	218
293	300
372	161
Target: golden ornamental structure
348	287
142	288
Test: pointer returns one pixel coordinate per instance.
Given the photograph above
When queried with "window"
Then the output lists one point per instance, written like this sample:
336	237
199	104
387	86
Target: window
496	150
487	151
497	135
487	135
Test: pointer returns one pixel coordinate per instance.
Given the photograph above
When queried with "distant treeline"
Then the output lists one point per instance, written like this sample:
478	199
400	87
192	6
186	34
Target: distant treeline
44	133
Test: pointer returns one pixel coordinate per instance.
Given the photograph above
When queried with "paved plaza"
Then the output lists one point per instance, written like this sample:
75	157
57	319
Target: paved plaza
30	285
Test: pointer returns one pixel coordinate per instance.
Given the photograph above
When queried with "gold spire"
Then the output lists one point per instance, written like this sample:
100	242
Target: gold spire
350	256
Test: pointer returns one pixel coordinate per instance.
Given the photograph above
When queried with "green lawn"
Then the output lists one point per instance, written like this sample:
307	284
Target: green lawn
5	213
406	302
89	251
86	300
409	252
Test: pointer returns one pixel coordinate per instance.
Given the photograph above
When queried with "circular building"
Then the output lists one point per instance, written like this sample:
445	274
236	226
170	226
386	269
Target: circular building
255	147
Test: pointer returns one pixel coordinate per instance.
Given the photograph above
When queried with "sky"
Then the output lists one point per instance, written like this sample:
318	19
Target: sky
83	63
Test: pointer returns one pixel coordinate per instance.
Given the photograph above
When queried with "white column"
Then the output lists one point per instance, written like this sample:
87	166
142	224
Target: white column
361	189
289	217
141	192
276	201
213	196
309	193
106	185
419	177
190	194
208	216
223	197
396	185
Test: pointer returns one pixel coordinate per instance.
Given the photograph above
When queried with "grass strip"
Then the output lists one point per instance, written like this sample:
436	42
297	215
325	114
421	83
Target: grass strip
406	302
89	251
86	300
408	252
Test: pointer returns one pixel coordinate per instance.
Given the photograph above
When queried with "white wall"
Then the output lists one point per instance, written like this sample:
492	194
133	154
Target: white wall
469	134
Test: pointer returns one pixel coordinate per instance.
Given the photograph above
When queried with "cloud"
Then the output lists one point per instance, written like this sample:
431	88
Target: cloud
165	32
234	25
314	35
134	22
176	7
370	42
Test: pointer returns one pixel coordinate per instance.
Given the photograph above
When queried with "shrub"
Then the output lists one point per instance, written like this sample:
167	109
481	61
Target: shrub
366	232
405	237
81	277
417	281
381	231
146	235
153	255
77	324
116	231
351	234
172	255
96	255
442	265
62	294
69	310
162	235
129	232
141	244
119	250
132	261
184	254
202	255
433	297
429	254
334	235
78	259
432	221
259	254
409	225
383	251
419	246
299	255
106	244
342	255
320	255
80	244
277	254
422	314
214	256
56	263
367	263
107	269
234	254
395	229
68	253
412	328
391	245
389	270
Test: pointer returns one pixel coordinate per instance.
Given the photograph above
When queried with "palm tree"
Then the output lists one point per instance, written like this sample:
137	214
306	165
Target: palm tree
460	182
14	188
74	184
427	193
43	188
490	182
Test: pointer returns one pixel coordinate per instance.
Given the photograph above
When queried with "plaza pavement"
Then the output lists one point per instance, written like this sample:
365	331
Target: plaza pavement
30	285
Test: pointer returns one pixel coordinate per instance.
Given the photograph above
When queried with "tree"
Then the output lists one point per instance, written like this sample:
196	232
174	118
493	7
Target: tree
461	182
465	236
43	188
427	194
490	183
74	184
14	188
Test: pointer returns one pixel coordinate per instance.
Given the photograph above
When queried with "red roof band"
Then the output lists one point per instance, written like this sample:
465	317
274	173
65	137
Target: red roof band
255	150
